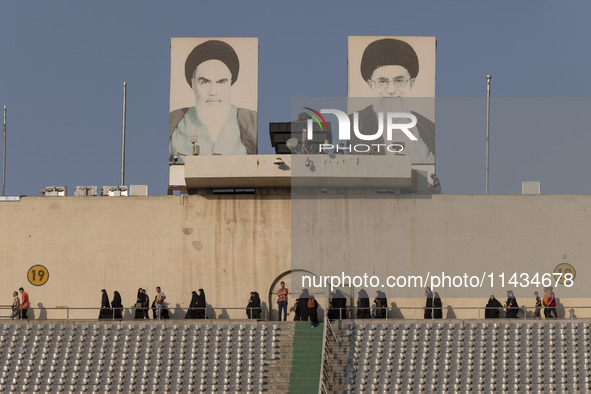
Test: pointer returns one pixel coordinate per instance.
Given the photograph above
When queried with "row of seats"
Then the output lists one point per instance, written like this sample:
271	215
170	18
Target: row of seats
136	357
468	356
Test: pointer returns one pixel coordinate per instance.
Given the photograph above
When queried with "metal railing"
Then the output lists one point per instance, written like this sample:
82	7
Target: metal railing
322	389
223	313
397	313
74	313
329	343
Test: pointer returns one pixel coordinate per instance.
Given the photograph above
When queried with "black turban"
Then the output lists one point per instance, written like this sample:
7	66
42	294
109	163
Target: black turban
212	50
389	52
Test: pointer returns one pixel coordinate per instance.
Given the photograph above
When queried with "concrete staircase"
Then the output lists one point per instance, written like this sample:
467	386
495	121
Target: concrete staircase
307	358
277	370
336	354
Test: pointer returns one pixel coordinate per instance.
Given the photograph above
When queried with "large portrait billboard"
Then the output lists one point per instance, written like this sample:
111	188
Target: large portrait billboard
389	76
213	97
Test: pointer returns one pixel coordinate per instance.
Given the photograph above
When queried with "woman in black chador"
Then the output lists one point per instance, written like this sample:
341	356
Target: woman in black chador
106	311
139	313
338	306
381	305
117	305
429	303
303	305
363	311
154	308
313	308
253	309
145	304
493	308
296	310
192	312
201	304
512	305
437	306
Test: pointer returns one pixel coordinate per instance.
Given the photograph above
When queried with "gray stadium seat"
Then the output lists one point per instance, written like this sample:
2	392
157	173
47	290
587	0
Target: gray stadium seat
469	356
135	357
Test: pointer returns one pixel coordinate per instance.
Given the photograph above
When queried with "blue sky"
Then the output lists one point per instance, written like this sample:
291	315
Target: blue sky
63	63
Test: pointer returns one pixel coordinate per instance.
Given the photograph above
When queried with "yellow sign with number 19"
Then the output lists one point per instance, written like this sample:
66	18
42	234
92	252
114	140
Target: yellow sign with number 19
38	275
565	273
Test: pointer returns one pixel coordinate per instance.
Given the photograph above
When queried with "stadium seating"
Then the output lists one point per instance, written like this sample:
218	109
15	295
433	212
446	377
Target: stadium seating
478	356
138	357
361	356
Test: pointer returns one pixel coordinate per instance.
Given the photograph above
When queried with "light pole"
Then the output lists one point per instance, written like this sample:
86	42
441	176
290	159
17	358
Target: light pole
123	137
488	78
4	156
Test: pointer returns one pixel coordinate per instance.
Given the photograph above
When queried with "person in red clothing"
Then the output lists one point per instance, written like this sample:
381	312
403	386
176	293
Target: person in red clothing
24	303
282	301
552	304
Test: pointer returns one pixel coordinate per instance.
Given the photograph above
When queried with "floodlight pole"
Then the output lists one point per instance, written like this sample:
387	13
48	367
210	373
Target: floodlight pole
4	155
488	78
123	137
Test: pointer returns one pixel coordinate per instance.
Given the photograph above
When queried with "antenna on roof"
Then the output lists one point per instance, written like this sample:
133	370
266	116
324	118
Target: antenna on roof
488	78
123	138
4	155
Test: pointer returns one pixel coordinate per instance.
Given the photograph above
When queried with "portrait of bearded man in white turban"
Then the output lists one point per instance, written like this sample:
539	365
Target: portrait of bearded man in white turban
211	69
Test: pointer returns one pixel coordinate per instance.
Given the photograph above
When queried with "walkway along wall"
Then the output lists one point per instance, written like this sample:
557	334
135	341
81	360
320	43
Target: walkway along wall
227	245
231	245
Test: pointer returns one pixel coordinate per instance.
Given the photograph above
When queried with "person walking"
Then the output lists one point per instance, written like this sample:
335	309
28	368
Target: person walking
139	313
192	310
296	310
105	312
511	306
552	304
313	307
493	308
24	303
201	304
538	306
117	306
160	305
437	306
428	304
145	301
16	306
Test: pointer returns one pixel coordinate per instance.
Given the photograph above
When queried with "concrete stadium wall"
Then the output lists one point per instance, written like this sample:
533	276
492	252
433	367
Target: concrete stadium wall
417	235
227	245
230	245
